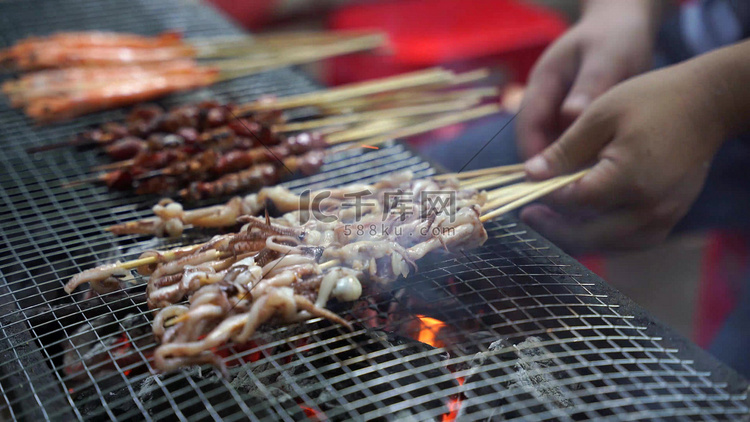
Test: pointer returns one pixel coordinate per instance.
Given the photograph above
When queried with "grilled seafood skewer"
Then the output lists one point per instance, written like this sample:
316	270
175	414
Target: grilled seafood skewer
169	212
232	304
129	68
67	49
270	271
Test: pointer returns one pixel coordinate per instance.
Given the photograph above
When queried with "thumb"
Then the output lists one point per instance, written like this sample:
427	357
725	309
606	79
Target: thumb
595	77
577	147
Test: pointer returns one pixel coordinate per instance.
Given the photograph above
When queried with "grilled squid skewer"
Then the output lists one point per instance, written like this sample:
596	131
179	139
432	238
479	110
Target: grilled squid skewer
233	308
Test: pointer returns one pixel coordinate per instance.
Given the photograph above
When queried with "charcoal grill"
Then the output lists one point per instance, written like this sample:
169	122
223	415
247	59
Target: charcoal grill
513	330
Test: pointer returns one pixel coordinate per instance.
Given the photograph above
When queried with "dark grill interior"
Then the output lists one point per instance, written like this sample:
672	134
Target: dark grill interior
526	331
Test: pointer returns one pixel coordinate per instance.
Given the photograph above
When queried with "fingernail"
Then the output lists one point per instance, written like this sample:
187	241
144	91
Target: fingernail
576	102
537	166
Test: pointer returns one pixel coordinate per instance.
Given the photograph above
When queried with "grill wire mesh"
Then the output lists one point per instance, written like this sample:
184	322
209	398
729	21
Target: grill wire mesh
526	332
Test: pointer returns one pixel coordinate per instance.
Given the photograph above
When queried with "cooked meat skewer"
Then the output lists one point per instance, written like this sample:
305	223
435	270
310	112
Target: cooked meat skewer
319	233
60	81
111	95
202	123
255	177
169	169
269	271
46	55
114	49
197	172
148	119
132	68
28	54
170	210
60	103
232	294
243	155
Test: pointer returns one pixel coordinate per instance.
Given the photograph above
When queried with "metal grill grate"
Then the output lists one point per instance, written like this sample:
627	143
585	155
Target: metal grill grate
528	332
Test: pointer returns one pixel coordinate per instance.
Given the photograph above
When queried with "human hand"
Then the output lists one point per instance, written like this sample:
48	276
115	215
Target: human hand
651	140
612	42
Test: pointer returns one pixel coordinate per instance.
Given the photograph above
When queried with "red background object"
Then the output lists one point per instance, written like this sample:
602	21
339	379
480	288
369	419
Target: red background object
457	34
725	266
252	14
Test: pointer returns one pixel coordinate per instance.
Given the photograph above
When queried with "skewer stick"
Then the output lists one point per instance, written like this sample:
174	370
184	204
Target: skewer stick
114	166
408	97
507	190
508	194
170	254
328	264
368	129
84	181
278	39
436	123
243	66
549	188
467	182
471	76
420	78
273	46
386	113
481	172
495	181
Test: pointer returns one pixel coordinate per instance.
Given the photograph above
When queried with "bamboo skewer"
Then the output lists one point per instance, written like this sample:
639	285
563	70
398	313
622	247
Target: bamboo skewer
367	129
502	196
431	124
493	180
135	263
481	172
279	39
409	80
243	66
114	166
275	44
548	187
387	113
408	97
470	76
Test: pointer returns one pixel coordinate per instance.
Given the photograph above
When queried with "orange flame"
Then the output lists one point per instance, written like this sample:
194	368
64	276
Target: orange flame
313	414
122	344
428	334
454	405
429	329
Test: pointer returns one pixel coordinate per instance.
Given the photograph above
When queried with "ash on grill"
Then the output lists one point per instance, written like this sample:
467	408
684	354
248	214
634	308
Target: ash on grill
391	353
314	381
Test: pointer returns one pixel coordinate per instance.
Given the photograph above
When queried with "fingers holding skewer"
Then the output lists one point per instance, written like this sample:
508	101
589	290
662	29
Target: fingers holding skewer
286	201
